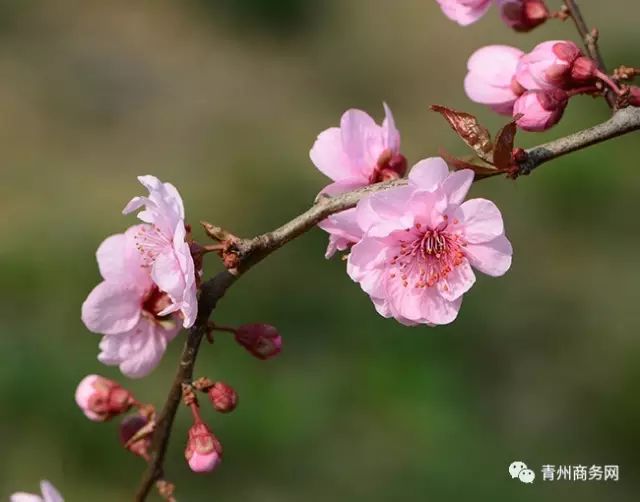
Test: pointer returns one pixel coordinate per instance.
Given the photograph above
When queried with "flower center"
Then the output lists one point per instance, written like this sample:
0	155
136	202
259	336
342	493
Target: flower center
428	256
150	241
155	301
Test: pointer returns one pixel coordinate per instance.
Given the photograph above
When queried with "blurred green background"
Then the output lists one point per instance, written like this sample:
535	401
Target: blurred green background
224	99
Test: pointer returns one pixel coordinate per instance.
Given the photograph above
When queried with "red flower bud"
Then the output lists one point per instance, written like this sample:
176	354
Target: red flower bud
223	397
583	70
128	428
634	95
203	451
261	340
523	15
101	399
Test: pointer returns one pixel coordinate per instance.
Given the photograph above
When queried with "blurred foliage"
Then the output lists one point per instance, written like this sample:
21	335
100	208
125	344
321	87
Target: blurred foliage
540	366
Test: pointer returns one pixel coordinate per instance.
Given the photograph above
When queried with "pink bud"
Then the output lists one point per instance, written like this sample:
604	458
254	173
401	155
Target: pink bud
490	80
583	70
464	12
203	451
540	110
223	397
128	428
101	399
548	65
262	340
523	15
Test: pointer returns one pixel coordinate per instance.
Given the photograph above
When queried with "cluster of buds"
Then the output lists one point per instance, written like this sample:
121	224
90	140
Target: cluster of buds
535	87
203	451
101	399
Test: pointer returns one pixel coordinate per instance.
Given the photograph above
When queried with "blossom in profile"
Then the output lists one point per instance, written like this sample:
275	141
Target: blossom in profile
356	154
464	12
101	399
128	308
261	340
538	111
491	77
163	246
523	15
420	243
49	494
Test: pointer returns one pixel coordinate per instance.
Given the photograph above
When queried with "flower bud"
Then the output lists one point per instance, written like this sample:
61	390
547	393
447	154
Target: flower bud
128	428
223	397
490	80
548	66
203	451
540	110
583	70
261	340
523	15
101	399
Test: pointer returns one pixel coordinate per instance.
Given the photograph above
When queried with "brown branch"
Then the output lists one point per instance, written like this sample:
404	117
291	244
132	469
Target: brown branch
252	251
590	39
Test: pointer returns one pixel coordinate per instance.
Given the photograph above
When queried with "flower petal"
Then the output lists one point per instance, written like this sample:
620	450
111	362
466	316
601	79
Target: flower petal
492	258
49	492
328	155
457	185
457	282
112	308
390	134
436	310
481	220
429	173
25	497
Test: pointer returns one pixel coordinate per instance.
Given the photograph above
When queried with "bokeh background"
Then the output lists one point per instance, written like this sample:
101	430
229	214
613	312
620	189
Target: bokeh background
224	99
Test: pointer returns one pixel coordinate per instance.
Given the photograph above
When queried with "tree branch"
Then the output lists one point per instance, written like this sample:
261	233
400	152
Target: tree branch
252	251
590	39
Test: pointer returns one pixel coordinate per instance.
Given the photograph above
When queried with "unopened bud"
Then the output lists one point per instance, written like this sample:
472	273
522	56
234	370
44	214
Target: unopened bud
203	451
223	397
128	428
540	110
523	15
101	399
261	340
583	70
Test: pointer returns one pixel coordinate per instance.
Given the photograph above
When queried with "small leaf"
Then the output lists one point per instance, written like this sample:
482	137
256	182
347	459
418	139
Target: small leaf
470	131
481	171
503	148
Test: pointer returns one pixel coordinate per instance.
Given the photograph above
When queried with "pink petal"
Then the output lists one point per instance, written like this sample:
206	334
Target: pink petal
25	497
119	259
457	185
428	174
328	156
458	282
365	256
49	492
112	308
344	230
464	14
481	220
492	258
362	141
390	133
437	310
384	212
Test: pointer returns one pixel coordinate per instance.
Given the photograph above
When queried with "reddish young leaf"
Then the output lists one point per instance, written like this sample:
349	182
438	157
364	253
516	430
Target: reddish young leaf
504	145
457	164
470	131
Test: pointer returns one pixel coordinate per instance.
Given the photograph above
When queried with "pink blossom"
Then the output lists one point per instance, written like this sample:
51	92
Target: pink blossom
548	65
540	110
164	248
203	451
49	494
128	308
354	155
101	399
421	241
491	78
464	12
523	15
